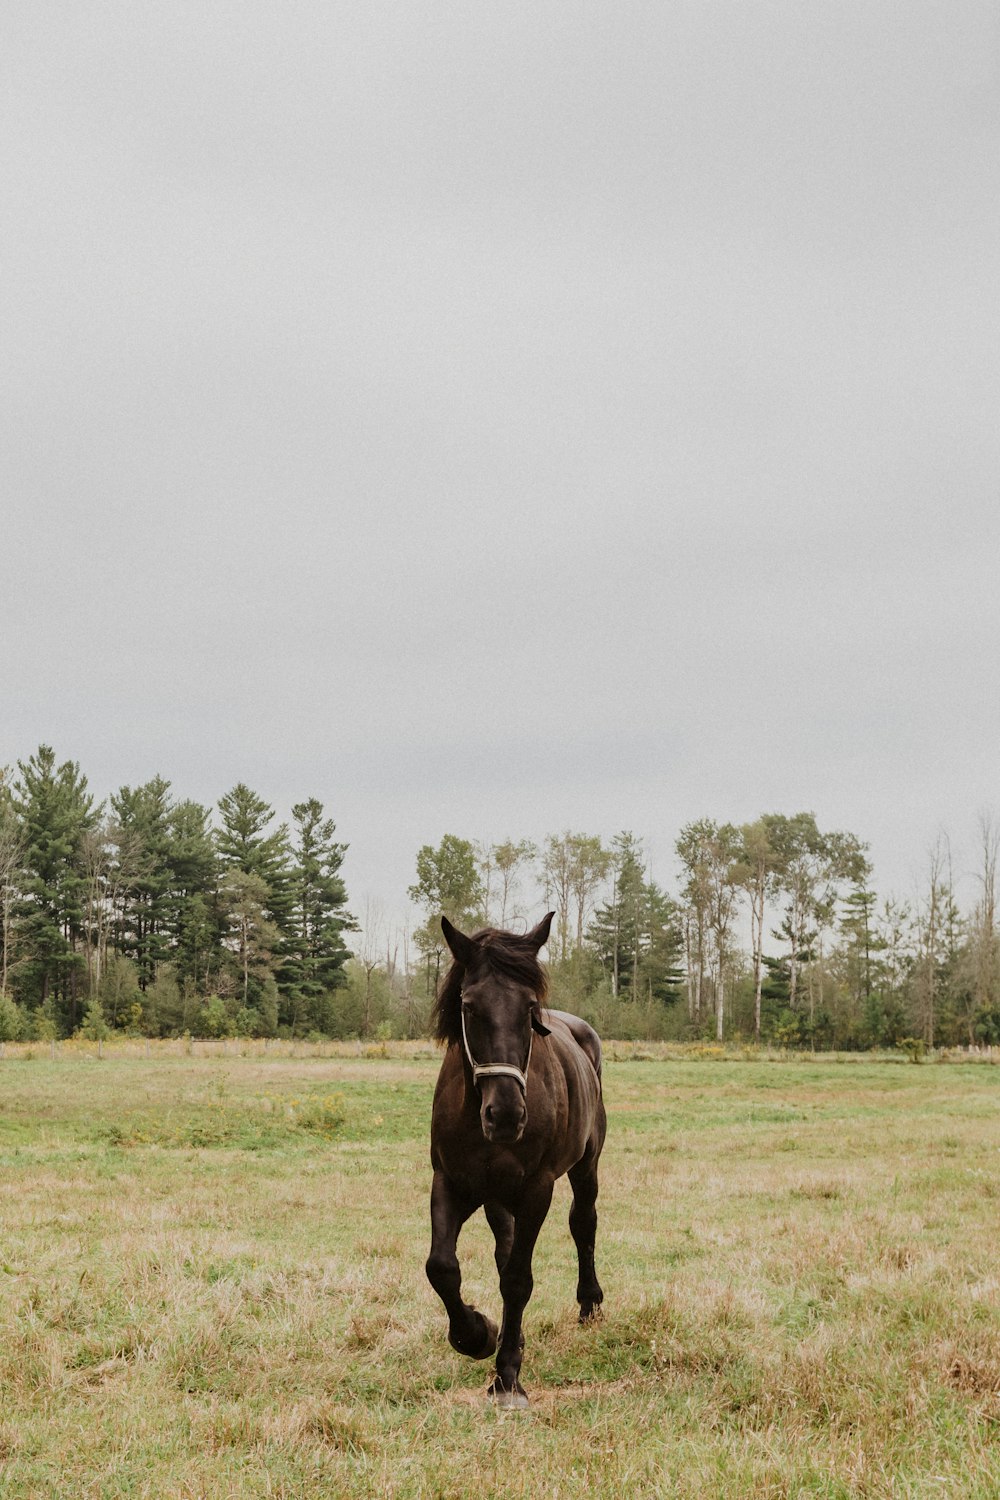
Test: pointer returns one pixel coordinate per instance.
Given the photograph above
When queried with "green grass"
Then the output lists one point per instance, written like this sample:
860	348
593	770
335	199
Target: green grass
211	1284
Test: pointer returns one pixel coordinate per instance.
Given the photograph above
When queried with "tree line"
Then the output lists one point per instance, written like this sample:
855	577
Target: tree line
152	913
773	933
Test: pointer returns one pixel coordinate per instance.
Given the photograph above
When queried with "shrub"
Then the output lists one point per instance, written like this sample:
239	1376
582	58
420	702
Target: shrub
213	1018
94	1027
11	1018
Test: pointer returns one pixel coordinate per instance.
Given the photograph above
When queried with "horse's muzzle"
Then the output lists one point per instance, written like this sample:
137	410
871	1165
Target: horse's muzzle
504	1117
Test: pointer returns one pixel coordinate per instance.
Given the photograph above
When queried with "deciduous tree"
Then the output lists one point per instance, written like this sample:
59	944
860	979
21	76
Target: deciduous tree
448	883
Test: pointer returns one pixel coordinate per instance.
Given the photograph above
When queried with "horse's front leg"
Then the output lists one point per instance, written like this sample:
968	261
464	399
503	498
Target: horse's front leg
468	1330
516	1283
502	1224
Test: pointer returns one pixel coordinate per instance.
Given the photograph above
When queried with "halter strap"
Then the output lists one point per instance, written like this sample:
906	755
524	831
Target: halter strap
495	1070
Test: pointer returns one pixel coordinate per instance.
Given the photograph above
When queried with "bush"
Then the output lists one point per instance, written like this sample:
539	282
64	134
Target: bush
986	1026
12	1024
43	1023
119	990
163	1007
246	1022
267	1008
94	1027
213	1018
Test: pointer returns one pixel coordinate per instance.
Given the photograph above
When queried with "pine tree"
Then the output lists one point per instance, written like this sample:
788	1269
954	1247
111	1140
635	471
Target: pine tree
242	840
617	928
193	917
315	951
637	934
251	935
142	835
55	810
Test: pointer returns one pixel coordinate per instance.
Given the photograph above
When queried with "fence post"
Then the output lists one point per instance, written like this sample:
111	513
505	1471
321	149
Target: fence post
52	1049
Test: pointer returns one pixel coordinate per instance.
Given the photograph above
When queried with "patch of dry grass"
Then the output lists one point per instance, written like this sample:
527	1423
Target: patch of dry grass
200	1297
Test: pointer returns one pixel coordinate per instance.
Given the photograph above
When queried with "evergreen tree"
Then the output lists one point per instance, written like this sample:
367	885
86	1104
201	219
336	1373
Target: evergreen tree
863	946
243	843
637	934
781	1000
250	935
315	951
193	916
660	974
616	932
55	811
142	834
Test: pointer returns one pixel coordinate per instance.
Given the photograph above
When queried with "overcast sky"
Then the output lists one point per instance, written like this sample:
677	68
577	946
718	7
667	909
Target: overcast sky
508	417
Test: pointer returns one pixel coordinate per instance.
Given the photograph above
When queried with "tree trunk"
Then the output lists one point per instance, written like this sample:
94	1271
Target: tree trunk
757	921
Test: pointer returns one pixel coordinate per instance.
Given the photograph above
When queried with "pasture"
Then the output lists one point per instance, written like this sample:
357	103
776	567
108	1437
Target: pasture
212	1285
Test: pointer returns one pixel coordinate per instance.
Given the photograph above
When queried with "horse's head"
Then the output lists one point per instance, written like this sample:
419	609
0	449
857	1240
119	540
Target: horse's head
496	987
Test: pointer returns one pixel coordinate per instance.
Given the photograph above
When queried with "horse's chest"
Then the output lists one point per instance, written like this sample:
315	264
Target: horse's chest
487	1174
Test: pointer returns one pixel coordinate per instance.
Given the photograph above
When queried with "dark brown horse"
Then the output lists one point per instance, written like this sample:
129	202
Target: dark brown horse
518	1103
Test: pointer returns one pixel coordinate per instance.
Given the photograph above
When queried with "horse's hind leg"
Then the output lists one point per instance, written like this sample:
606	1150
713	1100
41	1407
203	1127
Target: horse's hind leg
468	1330
502	1224
583	1227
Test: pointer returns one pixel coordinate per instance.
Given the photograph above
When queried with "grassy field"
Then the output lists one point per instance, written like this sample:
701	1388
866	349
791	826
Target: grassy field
211	1284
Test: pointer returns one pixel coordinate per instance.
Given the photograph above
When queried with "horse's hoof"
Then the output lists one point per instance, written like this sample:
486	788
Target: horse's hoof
503	1400
487	1347
590	1312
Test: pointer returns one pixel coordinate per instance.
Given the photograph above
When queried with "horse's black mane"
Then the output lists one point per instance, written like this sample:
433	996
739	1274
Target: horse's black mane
503	953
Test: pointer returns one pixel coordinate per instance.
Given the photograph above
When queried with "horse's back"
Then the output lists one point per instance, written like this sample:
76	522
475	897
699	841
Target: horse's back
582	1033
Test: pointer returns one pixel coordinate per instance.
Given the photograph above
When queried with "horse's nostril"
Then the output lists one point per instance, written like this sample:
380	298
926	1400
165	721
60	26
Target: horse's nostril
489	1114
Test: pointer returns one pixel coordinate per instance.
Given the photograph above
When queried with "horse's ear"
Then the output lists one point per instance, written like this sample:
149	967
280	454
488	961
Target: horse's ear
537	1024
539	935
463	948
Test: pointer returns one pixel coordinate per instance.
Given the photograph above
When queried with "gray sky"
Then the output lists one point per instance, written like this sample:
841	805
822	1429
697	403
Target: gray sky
501	418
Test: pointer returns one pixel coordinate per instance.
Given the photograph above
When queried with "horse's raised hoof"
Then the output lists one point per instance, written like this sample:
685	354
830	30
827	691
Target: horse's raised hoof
504	1400
489	1334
